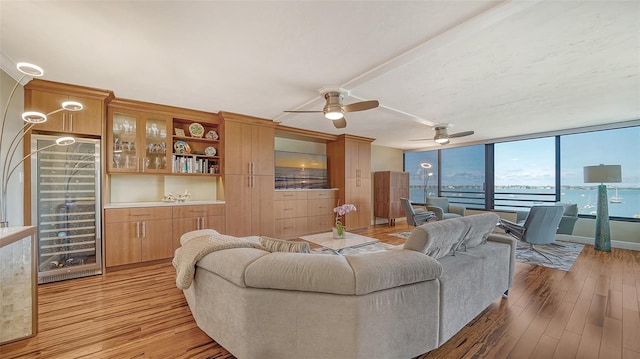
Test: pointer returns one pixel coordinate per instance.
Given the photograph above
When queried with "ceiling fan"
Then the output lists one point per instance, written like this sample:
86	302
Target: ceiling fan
442	136
334	109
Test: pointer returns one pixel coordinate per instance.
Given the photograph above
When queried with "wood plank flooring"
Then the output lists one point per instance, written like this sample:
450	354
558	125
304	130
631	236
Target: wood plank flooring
590	312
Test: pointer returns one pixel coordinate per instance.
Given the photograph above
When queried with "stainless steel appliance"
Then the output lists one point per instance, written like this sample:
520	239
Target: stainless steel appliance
65	204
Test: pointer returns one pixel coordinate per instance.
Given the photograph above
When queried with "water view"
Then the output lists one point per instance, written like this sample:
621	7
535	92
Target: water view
623	202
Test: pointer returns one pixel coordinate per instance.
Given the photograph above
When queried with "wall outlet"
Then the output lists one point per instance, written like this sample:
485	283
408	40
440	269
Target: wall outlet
21	177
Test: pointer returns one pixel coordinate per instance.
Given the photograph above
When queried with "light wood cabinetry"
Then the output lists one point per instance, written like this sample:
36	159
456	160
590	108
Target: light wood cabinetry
320	205
349	162
188	218
248	175
389	187
140	234
290	208
46	97
138	141
201	155
143	138
302	212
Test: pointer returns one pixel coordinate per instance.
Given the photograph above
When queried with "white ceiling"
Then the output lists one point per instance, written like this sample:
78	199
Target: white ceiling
498	68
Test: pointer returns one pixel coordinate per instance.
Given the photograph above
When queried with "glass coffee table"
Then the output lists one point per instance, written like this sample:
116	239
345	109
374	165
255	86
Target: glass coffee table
351	240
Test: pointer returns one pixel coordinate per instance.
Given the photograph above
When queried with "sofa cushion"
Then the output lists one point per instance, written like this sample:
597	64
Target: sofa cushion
437	239
393	268
480	227
281	245
230	264
304	272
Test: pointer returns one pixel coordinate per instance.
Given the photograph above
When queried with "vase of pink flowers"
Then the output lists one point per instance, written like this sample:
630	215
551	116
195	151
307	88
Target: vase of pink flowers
338	229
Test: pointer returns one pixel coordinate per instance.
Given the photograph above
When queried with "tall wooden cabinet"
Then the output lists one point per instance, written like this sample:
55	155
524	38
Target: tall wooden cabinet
46	96
388	188
249	180
349	161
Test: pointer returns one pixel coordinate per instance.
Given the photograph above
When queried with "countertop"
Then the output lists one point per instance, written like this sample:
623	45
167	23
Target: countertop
158	204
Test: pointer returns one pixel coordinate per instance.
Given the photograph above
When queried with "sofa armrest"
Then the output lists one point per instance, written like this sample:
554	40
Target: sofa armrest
457	209
437	211
502	238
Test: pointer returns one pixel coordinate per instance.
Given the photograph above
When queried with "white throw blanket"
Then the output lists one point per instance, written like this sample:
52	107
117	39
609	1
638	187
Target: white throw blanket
186	257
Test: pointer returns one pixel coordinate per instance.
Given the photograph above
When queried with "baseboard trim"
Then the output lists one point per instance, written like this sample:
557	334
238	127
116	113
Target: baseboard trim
586	240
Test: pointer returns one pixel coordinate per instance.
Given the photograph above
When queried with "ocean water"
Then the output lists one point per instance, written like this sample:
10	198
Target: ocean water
586	199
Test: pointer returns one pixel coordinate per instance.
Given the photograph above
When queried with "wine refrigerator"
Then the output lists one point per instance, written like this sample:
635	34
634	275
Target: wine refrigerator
65	206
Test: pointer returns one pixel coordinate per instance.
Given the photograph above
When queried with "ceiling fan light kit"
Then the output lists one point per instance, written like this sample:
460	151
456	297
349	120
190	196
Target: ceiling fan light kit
334	109
442	136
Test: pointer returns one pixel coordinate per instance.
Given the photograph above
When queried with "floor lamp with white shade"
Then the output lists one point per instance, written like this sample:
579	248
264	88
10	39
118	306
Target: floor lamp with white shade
602	174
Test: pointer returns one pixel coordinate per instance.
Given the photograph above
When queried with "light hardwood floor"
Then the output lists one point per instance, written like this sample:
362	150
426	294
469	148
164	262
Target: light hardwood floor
589	312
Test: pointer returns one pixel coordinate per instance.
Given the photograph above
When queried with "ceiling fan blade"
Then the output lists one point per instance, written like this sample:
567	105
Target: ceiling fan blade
361	106
341	123
303	111
422	139
461	134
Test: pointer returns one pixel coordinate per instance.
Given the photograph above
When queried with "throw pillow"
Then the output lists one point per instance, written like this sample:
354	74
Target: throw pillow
281	245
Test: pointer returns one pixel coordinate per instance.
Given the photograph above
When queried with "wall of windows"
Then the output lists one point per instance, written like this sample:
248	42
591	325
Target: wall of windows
423	174
524	173
520	174
611	147
462	175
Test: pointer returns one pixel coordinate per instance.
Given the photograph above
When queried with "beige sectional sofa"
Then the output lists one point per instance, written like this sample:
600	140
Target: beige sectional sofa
397	303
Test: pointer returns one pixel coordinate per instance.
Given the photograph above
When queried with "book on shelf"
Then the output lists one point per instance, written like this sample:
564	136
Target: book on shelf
191	164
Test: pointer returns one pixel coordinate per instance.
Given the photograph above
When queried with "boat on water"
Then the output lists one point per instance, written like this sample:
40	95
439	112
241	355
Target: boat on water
616	198
589	205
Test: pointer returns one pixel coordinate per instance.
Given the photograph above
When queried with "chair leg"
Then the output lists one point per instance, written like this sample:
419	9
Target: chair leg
542	254
536	250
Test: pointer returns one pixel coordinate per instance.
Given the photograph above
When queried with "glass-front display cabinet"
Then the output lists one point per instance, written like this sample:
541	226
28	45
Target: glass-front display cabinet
138	142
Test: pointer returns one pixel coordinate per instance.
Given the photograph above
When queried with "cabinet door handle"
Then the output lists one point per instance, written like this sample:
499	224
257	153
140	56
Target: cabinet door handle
253	168
204	224
198	210
70	122
249	167
137	229
64	121
144	229
197	223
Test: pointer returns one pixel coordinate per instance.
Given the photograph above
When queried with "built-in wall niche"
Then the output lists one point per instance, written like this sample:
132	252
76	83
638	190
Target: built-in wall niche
300	164
148	188
297	170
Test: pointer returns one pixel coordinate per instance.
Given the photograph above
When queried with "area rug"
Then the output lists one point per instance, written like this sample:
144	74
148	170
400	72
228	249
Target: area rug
374	247
562	255
404	234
